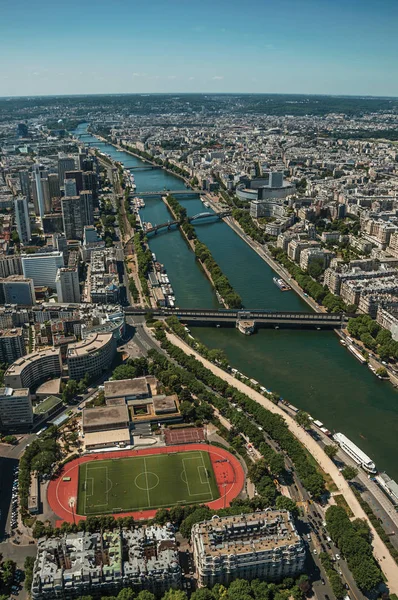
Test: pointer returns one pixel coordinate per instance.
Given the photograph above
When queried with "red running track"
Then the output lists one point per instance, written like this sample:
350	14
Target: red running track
62	495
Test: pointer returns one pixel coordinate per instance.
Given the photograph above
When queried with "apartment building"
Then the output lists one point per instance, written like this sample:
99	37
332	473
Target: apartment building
262	545
93	355
32	369
15	409
12	345
100	564
67	285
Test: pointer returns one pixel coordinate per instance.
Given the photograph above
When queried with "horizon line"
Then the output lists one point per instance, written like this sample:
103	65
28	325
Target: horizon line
366	96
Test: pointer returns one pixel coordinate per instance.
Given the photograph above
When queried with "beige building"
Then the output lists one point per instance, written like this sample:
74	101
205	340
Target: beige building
128	389
263	545
32	369
93	355
106	426
388	318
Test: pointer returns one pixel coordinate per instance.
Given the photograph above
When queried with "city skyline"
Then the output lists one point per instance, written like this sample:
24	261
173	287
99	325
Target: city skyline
340	49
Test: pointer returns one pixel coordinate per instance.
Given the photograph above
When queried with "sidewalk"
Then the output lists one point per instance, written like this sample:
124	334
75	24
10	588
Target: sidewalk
381	553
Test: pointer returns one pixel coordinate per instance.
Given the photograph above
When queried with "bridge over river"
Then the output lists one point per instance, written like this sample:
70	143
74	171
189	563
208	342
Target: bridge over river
261	318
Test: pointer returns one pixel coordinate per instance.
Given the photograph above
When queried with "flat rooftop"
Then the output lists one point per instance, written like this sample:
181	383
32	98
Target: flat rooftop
105	415
126	387
11	333
19	365
49	388
112	436
10	392
165	404
93	343
254	532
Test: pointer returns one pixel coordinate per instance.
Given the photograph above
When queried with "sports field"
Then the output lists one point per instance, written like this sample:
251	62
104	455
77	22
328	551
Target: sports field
145	482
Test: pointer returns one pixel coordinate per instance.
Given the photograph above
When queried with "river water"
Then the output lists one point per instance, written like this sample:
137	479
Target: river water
309	368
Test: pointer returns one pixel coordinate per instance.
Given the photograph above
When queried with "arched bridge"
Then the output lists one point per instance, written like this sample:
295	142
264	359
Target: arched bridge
198	217
171	224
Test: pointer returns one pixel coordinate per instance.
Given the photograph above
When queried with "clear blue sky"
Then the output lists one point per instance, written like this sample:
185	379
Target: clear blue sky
281	46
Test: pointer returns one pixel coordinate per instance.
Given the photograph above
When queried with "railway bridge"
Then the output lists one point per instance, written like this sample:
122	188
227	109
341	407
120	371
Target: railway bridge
260	318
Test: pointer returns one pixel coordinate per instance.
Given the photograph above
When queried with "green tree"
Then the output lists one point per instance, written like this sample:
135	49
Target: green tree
331	450
349	472
285	503
174	595
303	419
126	594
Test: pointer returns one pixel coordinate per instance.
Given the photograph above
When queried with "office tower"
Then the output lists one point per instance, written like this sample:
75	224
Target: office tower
42	267
65	163
24	180
22	219
15	408
70	188
22	130
82	156
39	204
16	289
46	192
78	177
72	216
90	183
12	345
77	211
53	185
67	284
275	179
87	207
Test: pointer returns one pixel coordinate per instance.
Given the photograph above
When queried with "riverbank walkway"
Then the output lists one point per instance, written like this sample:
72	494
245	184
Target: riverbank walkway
381	553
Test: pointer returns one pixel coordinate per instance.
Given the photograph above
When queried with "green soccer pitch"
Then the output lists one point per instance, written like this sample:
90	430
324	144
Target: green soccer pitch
145	482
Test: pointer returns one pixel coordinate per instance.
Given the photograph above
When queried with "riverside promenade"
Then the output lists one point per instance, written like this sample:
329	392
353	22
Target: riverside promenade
381	553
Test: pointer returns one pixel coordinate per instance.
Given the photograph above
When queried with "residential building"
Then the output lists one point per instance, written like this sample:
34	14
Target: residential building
15	409
22	220
24	181
65	163
12	345
53	185
261	545
77	211
10	265
39	192
67	285
70	188
387	317
310	255
42	267
34	368
91	241
77	177
17	289
100	564
93	355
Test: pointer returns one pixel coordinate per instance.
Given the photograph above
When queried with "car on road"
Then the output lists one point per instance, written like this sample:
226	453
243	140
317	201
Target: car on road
323	581
337	556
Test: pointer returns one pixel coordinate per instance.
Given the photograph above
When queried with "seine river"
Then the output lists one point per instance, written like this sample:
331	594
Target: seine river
309	368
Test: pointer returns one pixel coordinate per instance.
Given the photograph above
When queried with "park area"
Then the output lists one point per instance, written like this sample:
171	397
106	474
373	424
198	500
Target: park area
145	482
138	482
